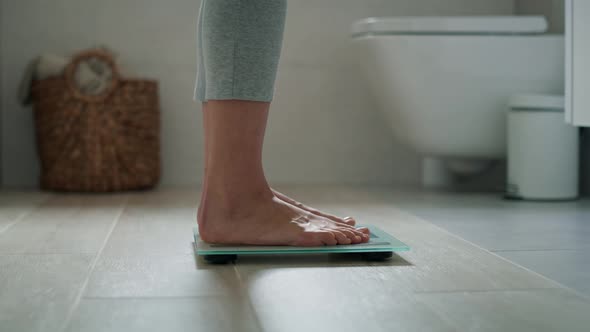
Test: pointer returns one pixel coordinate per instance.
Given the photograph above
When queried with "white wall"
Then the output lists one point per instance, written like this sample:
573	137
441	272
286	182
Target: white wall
323	127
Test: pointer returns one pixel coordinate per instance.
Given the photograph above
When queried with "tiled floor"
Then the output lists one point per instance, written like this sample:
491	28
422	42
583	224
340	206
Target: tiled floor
124	263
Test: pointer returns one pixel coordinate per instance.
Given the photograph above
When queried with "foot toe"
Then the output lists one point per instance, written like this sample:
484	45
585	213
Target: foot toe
365	238
328	238
364	230
342	238
353	236
349	220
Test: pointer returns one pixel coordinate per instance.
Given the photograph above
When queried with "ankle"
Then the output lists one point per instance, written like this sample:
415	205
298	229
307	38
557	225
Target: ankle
231	200
223	206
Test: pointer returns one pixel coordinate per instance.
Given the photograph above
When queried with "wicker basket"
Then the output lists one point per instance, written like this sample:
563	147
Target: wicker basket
97	143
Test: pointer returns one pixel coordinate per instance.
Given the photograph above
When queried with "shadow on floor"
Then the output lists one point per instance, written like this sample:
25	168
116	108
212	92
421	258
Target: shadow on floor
350	260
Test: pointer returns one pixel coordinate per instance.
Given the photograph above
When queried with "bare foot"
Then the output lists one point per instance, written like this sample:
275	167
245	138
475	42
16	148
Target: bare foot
265	219
346	220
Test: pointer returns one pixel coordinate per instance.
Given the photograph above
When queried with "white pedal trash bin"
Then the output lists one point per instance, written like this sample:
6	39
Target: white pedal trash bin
543	150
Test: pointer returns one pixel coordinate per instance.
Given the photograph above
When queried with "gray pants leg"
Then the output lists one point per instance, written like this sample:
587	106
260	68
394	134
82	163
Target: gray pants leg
239	46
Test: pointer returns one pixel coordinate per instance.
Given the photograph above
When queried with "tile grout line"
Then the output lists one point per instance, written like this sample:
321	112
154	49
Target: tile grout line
78	299
533	250
246	294
535	289
156	298
25	214
499	290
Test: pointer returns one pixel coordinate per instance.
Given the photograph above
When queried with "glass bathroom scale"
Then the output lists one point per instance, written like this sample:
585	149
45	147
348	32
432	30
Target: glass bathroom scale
381	246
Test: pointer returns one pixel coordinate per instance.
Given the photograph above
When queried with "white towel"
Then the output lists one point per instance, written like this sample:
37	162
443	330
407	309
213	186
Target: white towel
92	75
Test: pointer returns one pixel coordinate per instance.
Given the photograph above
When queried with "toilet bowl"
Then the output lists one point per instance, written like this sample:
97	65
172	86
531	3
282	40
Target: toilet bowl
443	83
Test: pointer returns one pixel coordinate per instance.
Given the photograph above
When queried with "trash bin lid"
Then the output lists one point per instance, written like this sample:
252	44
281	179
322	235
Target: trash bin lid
537	102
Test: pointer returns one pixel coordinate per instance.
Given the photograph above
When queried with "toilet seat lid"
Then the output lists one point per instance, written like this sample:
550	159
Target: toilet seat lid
451	25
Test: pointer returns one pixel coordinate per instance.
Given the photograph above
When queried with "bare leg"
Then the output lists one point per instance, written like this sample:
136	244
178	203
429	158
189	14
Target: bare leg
237	205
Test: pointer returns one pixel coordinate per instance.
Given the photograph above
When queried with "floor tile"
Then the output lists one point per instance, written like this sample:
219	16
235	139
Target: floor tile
341	298
211	314
160	276
159	223
37	291
522	311
568	267
64	224
15	205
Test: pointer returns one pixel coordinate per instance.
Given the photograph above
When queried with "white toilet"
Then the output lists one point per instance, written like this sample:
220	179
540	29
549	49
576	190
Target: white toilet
444	83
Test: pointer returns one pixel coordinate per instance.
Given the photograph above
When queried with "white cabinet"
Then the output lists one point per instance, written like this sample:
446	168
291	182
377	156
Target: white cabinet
577	80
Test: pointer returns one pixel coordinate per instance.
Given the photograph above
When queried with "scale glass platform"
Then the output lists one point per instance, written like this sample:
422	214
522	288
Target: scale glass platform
381	246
